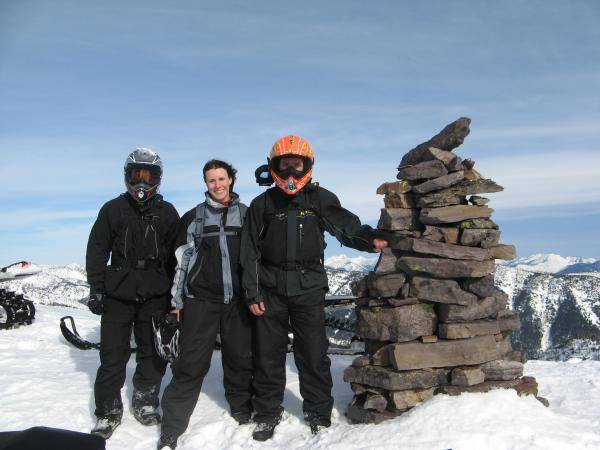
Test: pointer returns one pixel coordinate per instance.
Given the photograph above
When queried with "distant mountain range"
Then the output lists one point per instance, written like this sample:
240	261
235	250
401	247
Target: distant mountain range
557	298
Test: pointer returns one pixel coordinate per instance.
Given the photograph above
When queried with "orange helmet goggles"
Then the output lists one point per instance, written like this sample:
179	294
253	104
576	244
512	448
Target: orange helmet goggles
290	177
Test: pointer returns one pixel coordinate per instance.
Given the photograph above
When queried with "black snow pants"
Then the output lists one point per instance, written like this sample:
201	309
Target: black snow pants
115	334
201	321
306	316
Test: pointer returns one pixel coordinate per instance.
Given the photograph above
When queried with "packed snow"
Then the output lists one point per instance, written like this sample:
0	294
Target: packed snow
46	381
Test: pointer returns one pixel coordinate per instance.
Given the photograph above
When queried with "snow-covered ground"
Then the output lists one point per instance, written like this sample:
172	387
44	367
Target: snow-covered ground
45	381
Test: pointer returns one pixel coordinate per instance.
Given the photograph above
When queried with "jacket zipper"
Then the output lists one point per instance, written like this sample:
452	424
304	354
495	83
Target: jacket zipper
193	277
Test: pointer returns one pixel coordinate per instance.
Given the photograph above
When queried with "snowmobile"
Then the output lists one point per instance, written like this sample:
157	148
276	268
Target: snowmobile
15	309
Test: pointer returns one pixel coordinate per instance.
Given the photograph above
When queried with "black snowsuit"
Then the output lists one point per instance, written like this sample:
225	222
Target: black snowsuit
138	239
207	289
282	259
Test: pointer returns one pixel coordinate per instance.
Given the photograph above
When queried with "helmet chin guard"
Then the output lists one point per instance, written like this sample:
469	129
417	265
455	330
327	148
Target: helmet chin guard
290	180
143	173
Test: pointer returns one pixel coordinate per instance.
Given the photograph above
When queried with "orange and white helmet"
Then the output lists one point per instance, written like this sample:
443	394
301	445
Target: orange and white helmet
291	180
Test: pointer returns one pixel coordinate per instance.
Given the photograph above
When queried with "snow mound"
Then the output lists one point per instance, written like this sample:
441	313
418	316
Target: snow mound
55	388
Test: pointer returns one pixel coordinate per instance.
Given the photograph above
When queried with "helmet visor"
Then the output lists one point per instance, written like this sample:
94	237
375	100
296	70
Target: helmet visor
290	171
149	175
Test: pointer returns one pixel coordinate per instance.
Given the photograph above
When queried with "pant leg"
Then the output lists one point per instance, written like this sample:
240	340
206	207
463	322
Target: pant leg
200	324
307	318
150	367
115	335
270	338
236	353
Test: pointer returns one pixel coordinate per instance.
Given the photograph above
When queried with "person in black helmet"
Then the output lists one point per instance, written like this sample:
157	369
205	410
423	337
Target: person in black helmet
208	299
135	231
285	282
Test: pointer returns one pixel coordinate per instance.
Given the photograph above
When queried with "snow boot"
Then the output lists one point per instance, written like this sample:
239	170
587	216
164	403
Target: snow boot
105	425
242	417
316	422
265	427
146	415
167	442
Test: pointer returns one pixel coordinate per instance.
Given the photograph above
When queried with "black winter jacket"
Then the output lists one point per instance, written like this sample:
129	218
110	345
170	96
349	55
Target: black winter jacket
138	239
283	240
207	251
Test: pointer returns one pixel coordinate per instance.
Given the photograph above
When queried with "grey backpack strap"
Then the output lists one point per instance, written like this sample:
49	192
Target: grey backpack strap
199	227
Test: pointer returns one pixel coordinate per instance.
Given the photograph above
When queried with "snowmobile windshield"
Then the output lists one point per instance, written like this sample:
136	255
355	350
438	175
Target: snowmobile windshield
143	174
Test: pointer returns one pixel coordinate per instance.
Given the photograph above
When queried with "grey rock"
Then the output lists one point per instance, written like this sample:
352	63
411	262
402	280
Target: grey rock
359	389
482	287
502	370
482	237
402	301
403	400
362	360
439	183
440	291
483	308
358	414
449	159
523	386
423	170
467	376
508	321
478	223
465	330
452	214
458	191
385	285
441	234
392	380
386	262
359	287
442	249
404	323
394	188
398	219
415	355
479	201
444	268
449	138
502	251
376	402
406	201
438	199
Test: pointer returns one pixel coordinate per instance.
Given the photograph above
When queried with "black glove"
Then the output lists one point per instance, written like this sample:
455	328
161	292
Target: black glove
96	303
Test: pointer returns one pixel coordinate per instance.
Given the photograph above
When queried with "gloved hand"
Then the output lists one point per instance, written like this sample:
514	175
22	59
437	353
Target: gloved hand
96	303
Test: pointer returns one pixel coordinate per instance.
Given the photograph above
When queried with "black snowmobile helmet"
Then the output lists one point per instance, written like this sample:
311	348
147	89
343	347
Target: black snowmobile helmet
143	172
166	336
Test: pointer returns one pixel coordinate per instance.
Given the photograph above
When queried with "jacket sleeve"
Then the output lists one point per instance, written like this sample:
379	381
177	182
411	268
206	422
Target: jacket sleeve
184	251
250	252
172	224
343	224
98	251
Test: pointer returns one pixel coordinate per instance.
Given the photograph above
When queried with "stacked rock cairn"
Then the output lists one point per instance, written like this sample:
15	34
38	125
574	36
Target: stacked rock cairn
432	320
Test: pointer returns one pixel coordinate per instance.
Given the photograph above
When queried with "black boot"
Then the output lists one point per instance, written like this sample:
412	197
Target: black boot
316	422
242	417
166	441
105	425
265	427
146	415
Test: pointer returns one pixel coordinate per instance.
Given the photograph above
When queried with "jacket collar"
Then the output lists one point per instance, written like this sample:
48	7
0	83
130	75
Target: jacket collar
235	199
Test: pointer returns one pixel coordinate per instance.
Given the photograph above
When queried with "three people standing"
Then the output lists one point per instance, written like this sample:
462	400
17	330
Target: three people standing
271	268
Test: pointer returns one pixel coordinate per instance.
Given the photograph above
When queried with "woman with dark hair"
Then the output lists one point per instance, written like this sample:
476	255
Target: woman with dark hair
207	300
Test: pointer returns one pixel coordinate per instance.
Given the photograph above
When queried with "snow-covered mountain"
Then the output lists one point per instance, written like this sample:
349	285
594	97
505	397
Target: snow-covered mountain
548	263
355	264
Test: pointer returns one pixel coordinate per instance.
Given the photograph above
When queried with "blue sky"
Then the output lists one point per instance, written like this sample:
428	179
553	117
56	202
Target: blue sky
84	83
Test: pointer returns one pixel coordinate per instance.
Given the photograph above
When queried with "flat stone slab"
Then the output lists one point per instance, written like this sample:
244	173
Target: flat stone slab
523	386
502	251
415	355
444	268
437	200
385	285
423	170
441	234
477	200
467	376
399	201
508	320
401	324
440	291
481	309
386	262
453	214
392	380
403	400
482	287
439	183
398	219
376	402
449	159
481	237
468	329
478	223
442	249
394	188
502	370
